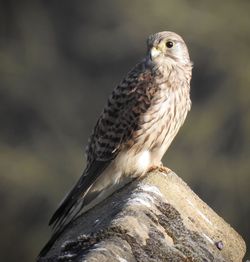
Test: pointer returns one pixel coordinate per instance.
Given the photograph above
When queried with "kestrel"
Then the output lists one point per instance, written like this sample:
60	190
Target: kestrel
138	124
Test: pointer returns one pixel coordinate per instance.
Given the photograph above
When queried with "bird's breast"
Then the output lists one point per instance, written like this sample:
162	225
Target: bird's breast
160	124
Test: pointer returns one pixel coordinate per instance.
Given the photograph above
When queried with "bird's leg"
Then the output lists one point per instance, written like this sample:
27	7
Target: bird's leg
160	168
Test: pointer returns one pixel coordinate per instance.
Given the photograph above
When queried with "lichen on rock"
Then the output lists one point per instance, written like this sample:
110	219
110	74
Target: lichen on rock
158	218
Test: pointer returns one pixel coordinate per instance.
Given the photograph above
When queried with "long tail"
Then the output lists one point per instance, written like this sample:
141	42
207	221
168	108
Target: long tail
50	243
73	203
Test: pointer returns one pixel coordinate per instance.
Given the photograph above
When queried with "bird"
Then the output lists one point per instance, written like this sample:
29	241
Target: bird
136	127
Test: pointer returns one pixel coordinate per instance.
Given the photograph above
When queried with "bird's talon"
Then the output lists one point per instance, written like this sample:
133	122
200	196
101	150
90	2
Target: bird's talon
164	169
153	168
160	168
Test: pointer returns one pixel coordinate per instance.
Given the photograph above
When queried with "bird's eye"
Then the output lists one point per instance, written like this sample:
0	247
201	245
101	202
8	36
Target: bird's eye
169	44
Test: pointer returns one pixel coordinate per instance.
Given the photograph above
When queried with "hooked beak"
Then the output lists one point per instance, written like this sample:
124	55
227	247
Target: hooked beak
154	52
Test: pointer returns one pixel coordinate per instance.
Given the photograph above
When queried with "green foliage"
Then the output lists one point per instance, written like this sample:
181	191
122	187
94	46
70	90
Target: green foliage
58	63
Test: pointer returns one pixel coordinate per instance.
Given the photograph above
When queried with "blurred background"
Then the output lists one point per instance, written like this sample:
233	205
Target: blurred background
59	61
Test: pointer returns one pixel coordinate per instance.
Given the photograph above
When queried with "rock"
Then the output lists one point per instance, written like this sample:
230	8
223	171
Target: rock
158	218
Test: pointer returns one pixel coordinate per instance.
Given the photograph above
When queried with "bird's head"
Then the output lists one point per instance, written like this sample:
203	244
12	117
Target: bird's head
167	47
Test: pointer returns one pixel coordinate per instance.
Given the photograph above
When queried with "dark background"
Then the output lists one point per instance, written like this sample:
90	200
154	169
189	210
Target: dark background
59	60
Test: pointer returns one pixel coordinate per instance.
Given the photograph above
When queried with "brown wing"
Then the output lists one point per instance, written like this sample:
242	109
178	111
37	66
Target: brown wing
113	130
120	117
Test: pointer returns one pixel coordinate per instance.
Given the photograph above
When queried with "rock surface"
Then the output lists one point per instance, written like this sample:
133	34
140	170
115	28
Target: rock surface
158	218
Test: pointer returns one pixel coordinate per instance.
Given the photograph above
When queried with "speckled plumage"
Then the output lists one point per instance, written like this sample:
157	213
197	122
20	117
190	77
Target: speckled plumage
139	122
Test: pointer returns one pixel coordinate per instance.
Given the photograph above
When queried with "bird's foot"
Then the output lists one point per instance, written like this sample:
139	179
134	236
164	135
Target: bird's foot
164	169
160	168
